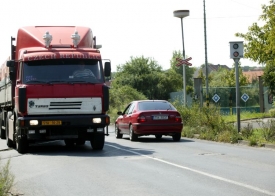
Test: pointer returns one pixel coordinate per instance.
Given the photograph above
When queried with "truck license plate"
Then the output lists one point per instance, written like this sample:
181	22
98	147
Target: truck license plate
52	122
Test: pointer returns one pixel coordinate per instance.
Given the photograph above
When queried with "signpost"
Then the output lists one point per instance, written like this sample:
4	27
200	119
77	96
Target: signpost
184	62
236	52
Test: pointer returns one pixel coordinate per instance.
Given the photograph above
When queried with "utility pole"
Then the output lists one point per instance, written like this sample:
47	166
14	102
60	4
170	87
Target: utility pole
206	62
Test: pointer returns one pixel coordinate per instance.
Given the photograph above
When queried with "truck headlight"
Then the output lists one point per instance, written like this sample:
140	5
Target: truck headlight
96	120
33	122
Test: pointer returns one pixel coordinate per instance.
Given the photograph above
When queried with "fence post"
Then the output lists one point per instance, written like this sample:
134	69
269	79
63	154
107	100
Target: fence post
198	90
261	95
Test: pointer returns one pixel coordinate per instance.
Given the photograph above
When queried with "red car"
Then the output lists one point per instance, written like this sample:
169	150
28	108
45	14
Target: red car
149	117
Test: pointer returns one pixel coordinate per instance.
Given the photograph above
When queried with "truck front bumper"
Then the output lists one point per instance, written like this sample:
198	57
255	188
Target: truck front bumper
63	127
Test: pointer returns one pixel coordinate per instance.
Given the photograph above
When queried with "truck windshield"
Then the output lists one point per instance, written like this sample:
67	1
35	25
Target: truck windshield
63	71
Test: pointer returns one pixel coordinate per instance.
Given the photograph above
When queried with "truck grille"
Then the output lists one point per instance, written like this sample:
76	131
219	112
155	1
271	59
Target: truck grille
65	105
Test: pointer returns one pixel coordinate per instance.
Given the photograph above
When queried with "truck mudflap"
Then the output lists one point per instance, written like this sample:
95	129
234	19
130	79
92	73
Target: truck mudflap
63	127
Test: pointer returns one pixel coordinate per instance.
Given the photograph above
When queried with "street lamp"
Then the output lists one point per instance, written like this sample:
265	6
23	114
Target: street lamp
181	14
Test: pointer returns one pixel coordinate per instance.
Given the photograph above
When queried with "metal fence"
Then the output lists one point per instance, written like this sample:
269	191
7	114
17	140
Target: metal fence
225	98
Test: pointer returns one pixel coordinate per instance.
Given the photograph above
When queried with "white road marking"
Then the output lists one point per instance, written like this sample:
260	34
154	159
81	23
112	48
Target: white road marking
200	172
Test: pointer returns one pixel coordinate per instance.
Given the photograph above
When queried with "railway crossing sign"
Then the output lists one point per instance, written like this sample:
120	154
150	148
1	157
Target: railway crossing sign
183	61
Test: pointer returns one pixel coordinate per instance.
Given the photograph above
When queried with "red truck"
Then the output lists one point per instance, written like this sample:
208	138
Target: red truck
46	95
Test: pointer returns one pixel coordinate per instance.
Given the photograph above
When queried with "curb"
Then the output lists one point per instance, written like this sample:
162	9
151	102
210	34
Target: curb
243	142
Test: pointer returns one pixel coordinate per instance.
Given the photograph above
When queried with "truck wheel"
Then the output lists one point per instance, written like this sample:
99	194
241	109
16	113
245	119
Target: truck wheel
117	132
97	141
22	144
2	131
133	136
69	142
8	140
80	142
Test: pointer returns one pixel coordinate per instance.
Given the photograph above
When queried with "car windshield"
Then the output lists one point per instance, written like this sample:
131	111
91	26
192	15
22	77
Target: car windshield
155	105
62	71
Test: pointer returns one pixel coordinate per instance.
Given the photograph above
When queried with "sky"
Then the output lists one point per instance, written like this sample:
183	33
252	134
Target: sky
136	28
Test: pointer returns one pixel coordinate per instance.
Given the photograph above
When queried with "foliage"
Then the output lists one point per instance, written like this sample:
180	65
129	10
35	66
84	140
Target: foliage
147	77
272	112
227	78
247	131
6	179
268	130
120	97
202	75
245	116
260	44
207	122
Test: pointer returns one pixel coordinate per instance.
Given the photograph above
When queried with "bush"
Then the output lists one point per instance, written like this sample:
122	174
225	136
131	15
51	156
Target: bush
207	122
120	97
272	112
6	179
268	130
247	131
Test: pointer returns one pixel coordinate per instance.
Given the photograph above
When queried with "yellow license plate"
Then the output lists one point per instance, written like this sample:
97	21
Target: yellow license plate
52	122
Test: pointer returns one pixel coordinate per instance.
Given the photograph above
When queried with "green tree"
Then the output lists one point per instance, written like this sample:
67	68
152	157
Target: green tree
260	44
147	77
227	78
202	74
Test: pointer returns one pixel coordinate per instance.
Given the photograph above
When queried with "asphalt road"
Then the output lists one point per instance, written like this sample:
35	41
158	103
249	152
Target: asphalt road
146	167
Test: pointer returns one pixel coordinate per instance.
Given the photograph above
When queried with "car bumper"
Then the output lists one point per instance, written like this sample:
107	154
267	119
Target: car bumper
151	129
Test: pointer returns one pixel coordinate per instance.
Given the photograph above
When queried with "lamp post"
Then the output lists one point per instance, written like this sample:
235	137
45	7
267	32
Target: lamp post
181	14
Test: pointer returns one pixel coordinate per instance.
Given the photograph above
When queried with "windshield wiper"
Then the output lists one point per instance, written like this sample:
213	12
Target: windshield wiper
80	81
57	81
36	81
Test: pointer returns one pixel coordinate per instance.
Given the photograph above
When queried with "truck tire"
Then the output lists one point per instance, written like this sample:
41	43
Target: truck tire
80	142
69	142
8	140
22	144
97	141
2	131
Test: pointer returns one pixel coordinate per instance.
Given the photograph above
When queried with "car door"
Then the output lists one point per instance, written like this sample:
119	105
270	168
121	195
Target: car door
127	118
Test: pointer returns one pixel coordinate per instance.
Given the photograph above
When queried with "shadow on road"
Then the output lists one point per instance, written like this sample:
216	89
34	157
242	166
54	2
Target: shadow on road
162	140
58	148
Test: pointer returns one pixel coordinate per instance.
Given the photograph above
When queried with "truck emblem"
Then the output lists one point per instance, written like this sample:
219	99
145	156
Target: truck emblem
31	104
94	108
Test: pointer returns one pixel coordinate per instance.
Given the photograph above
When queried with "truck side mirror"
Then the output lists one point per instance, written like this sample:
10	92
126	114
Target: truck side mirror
107	69
10	65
